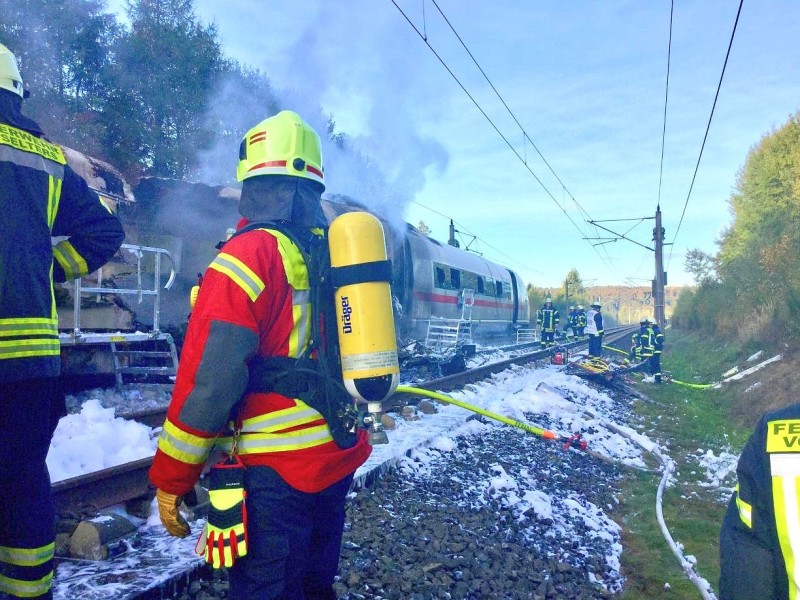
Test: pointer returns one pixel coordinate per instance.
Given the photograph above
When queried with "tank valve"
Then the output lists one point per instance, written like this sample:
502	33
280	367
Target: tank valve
371	421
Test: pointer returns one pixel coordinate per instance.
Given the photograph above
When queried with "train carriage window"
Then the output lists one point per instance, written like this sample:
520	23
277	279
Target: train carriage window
498	289
455	278
469	280
481	289
439	277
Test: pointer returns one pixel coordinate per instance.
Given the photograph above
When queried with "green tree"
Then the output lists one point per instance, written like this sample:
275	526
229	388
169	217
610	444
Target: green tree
167	65
536	296
756	291
702	266
64	51
573	287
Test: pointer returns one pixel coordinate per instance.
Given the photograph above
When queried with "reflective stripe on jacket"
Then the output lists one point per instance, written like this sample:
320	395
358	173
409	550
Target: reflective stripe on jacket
658	340
760	537
646	342
254	300
547	318
41	197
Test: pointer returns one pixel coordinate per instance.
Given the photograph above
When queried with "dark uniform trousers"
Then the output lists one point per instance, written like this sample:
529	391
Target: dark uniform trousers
595	344
29	413
294	540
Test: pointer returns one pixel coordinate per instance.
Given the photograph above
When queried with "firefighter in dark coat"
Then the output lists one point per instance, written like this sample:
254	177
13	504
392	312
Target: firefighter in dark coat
547	319
658	348
40	197
581	320
760	538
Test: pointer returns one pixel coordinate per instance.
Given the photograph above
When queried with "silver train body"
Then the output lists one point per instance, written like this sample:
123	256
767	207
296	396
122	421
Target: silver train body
188	220
434	282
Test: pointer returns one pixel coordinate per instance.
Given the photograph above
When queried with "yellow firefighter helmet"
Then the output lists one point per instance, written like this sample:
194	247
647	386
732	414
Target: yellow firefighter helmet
10	79
281	145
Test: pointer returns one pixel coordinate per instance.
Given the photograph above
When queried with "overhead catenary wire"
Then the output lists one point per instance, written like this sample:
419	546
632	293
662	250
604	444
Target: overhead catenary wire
525	136
424	38
467	231
510	112
666	101
708	127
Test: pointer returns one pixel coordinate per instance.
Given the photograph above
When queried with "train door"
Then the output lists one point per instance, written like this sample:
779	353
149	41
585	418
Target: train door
403	283
515	297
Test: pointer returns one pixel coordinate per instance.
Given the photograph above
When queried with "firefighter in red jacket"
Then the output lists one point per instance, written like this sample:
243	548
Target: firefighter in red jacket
40	197
254	306
759	541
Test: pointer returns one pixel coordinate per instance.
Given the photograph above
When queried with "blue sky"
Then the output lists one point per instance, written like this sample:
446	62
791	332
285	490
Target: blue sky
586	81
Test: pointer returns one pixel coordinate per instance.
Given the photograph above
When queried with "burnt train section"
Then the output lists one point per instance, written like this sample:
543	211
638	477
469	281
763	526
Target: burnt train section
445	298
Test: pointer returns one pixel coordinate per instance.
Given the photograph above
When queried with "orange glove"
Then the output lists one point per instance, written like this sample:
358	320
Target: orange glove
171	517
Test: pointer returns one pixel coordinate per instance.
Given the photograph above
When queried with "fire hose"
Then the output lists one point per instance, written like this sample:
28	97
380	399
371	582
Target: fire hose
572	441
668	378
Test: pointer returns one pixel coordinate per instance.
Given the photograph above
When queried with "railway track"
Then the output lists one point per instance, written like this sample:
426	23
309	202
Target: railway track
157	553
121	483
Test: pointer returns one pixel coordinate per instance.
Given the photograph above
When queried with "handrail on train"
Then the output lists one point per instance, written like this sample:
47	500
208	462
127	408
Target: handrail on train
139	290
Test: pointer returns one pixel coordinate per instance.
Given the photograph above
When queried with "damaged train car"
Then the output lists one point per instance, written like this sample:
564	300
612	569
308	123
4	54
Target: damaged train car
172	232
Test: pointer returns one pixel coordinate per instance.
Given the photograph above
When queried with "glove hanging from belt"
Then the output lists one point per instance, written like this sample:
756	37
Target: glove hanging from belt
224	538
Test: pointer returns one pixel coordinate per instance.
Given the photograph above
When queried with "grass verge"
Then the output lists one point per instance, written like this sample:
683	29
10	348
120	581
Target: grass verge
686	423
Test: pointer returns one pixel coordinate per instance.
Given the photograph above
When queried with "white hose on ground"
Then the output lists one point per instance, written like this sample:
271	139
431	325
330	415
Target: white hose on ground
688	568
701	584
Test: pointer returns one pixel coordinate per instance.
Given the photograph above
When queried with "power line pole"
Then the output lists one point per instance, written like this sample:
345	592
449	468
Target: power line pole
661	277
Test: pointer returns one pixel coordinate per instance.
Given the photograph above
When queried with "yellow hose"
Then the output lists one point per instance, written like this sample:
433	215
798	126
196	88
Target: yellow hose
699	386
549	435
616	350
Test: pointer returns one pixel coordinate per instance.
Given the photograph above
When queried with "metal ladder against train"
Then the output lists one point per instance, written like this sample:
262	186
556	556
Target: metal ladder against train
448	334
138	361
526	336
149	354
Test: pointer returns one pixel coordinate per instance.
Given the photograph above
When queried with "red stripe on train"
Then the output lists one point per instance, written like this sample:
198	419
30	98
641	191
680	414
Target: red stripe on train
443	299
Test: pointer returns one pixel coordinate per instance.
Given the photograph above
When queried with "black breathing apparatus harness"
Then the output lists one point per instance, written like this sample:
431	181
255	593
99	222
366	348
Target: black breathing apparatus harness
315	377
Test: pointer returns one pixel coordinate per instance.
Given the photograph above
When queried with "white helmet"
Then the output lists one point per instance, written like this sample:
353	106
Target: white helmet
548	299
10	79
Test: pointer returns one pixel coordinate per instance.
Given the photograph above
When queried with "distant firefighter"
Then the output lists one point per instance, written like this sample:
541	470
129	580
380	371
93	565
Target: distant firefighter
572	322
41	197
594	328
581	320
547	320
647	344
758	545
658	348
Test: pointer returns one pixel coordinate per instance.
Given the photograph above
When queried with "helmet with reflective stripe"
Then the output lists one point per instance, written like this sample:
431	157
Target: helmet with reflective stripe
10	79
281	145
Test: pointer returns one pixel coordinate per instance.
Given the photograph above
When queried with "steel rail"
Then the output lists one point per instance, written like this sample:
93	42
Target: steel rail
121	483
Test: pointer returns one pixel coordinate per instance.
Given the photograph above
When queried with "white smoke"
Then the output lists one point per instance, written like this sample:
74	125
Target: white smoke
334	59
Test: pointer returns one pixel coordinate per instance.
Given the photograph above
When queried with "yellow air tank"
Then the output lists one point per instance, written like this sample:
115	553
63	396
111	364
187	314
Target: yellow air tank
360	275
